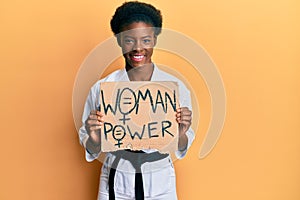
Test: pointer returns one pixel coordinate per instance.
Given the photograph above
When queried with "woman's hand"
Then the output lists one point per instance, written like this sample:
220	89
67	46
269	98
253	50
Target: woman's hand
184	119
93	126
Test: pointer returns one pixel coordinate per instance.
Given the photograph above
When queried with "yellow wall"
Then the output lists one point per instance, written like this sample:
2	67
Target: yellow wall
256	46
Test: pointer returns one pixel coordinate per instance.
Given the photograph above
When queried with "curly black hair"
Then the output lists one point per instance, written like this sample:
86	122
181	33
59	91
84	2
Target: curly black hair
135	11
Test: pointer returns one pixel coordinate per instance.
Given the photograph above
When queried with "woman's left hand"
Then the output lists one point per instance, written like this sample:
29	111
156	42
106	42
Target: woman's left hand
184	119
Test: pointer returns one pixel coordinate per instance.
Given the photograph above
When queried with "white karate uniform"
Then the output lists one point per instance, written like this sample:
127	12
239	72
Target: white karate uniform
159	176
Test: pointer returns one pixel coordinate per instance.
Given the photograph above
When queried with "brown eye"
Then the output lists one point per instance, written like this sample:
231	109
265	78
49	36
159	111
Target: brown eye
129	41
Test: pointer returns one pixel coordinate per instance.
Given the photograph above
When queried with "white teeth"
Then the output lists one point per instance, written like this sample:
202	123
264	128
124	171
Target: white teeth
138	57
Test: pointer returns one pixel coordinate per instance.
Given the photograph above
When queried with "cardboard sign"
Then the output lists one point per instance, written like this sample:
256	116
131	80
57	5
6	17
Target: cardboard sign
139	115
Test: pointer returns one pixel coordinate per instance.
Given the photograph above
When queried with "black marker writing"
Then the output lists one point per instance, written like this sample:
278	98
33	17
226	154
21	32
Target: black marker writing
127	101
153	130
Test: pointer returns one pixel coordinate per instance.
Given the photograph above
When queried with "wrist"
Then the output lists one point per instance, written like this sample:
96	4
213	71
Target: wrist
183	142
92	146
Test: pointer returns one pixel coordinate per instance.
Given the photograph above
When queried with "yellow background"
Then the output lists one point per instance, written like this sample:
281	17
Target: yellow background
254	43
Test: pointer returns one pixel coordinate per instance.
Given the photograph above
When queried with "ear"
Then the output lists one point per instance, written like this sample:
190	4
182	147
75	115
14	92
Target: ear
119	39
155	40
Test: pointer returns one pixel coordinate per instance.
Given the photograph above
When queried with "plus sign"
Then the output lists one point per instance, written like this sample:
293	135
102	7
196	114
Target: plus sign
124	119
119	143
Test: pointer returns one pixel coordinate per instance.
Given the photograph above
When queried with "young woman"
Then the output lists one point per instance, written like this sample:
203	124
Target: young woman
136	26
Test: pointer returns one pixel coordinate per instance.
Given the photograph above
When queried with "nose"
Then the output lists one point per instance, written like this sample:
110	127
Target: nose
138	46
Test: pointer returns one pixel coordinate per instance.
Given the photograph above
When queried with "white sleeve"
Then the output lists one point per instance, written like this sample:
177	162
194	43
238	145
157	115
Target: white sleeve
185	101
90	104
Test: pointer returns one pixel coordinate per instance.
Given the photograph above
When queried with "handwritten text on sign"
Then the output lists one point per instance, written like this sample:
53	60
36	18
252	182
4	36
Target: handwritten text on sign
139	115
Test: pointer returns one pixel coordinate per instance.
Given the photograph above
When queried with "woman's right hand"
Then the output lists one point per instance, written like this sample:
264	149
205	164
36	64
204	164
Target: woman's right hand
93	126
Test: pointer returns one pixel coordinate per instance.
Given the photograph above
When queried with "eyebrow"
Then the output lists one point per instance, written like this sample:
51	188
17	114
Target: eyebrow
147	36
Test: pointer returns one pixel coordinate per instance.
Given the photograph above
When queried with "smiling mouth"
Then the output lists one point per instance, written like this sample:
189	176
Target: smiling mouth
137	58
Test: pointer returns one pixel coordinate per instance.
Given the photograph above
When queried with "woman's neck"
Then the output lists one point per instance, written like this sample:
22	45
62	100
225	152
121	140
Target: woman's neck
141	73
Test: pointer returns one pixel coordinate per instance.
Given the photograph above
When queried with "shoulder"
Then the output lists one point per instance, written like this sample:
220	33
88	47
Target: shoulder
114	76
166	76
184	92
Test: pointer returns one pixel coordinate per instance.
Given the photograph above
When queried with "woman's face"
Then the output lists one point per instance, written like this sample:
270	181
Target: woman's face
137	41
